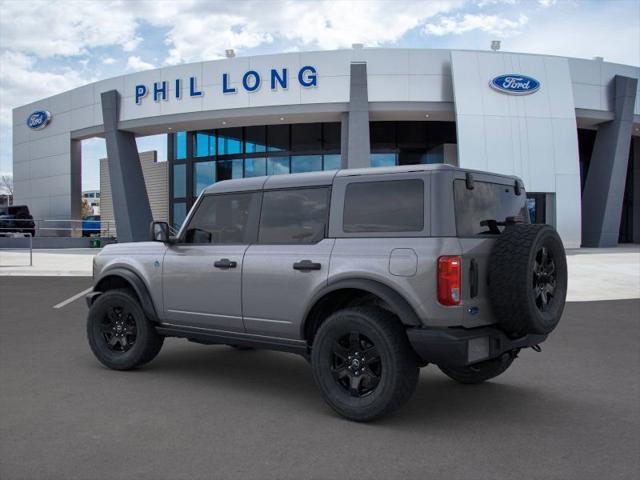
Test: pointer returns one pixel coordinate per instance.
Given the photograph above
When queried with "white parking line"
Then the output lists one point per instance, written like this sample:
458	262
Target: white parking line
66	302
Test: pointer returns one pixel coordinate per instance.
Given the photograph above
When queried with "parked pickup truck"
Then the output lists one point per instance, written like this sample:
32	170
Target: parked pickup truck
17	219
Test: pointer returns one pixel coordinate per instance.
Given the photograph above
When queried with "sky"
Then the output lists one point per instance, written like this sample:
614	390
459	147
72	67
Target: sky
47	47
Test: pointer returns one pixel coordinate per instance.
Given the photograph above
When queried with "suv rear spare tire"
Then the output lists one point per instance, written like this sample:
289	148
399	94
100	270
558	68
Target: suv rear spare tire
528	279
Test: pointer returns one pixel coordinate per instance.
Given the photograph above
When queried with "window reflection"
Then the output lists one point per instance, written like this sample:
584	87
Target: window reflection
179	214
306	163
180	145
255	167
205	144
382	159
229	141
179	181
332	162
204	174
228	169
277	165
255	139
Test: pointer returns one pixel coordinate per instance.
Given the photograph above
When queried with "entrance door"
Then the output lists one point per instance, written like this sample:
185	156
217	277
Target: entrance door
202	272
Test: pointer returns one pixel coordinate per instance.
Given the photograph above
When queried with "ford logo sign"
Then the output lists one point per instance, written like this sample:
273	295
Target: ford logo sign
515	84
38	120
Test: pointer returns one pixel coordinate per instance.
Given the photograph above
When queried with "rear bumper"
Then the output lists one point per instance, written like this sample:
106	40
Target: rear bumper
458	347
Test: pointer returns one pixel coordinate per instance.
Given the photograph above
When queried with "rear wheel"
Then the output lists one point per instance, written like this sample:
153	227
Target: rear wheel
363	363
120	335
479	372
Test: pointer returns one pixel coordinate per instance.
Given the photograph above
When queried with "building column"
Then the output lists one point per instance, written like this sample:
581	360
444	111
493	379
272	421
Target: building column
357	142
131	208
604	187
635	217
75	156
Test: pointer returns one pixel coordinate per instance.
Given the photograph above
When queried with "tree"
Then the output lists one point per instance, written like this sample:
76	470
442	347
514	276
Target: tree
86	209
6	184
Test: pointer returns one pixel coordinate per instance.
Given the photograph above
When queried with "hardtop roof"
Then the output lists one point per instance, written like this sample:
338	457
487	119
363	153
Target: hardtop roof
321	178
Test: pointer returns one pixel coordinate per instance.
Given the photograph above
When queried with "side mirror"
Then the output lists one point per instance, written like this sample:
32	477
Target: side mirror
160	232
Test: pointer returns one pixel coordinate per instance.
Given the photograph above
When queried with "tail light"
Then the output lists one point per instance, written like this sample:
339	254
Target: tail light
449	280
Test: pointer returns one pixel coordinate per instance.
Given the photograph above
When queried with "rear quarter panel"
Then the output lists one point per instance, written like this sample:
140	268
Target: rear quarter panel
370	258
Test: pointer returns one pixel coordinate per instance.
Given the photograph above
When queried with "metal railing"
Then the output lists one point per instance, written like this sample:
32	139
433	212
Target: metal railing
57	228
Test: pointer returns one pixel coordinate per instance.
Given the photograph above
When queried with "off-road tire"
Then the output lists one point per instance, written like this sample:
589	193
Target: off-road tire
480	372
397	365
147	343
512	279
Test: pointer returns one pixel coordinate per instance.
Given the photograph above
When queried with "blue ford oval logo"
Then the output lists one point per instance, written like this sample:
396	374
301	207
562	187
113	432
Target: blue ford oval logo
38	120
515	84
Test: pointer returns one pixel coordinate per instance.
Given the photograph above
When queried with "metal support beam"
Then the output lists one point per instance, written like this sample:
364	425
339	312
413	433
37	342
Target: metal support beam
358	147
604	186
129	194
635	218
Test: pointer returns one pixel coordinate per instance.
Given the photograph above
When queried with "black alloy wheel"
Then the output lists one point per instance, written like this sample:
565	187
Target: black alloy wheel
527	279
363	363
544	281
119	329
120	334
356	364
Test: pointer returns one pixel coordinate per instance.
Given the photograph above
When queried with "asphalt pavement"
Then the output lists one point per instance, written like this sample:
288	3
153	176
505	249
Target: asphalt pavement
572	411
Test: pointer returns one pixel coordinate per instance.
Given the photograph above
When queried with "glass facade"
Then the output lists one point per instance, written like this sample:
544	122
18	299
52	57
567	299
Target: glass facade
201	158
409	143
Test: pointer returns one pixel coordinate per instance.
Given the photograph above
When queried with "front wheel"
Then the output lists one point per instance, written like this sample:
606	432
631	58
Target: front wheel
363	363
479	372
120	335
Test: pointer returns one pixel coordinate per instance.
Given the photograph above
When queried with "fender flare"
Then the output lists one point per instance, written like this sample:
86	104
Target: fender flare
397	302
136	283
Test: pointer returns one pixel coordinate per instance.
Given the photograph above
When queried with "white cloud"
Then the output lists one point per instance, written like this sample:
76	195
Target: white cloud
135	64
46	29
22	83
491	24
39	38
203	30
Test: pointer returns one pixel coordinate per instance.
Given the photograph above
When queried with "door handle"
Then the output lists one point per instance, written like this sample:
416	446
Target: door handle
306	265
225	263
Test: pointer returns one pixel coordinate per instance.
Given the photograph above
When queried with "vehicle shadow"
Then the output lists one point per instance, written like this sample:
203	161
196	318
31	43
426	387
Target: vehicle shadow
438	401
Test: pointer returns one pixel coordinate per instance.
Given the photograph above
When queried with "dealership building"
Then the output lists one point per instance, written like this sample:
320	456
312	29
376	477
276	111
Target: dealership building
570	128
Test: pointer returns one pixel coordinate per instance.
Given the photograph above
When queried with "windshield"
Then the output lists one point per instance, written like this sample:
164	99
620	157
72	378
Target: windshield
487	201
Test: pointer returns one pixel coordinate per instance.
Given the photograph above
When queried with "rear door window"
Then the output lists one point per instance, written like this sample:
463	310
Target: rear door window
487	201
384	206
294	216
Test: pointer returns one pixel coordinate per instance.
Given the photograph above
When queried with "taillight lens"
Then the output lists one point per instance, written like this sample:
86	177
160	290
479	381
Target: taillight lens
449	280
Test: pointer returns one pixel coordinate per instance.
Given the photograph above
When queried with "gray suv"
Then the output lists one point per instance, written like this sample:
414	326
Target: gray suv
369	274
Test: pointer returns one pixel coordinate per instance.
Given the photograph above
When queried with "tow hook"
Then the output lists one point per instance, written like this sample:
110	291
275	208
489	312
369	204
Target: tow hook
536	348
